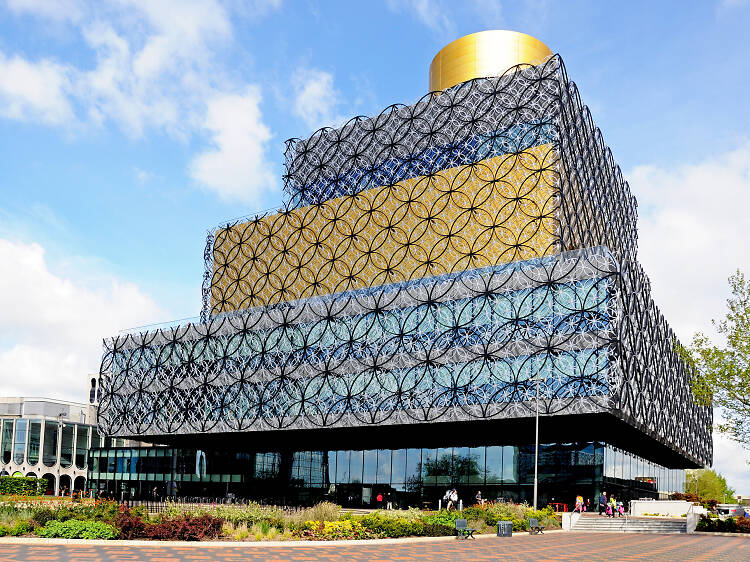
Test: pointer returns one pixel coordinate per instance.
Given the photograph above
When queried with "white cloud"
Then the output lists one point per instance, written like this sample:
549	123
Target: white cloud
53	9
155	68
431	13
693	229
52	328
153	64
236	168
316	98
34	91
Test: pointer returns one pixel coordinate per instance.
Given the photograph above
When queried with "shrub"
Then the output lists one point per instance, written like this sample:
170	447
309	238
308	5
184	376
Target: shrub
324	511
438	530
185	528
385	526
743	524
729	525
20	528
443	517
43	515
347	529
130	524
248	516
22	485
77	529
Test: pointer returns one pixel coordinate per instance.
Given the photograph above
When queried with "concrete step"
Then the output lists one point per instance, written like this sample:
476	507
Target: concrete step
630	525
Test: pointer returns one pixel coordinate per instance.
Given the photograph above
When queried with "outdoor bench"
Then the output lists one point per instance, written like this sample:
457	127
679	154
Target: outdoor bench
463	529
534	527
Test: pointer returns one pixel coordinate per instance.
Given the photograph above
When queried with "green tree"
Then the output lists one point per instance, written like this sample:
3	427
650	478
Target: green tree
722	374
708	484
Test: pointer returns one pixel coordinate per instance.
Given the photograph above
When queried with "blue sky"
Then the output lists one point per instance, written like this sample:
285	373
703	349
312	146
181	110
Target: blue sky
129	128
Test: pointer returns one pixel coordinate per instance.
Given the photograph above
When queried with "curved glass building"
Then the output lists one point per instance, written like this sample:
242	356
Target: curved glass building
437	273
49	439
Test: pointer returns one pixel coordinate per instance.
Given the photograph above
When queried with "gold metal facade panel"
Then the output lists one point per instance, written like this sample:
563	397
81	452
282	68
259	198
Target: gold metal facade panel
496	211
487	53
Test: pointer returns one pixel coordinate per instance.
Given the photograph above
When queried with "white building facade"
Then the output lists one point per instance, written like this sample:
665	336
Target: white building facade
50	439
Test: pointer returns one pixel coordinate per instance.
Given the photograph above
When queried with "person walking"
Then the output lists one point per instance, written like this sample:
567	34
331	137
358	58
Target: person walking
587	507
479	498
447	498
612	505
603	503
452	499
579	504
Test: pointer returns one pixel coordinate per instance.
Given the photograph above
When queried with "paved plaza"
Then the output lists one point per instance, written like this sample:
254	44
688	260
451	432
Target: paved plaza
554	546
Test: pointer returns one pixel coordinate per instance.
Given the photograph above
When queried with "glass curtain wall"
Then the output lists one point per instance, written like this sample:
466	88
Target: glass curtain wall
34	438
406	477
7	441
19	441
82	446
51	438
66	445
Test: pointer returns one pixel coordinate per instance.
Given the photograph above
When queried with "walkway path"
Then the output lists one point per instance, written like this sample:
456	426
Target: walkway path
554	546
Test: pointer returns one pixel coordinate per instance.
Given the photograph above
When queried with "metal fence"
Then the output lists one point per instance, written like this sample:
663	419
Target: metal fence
188	502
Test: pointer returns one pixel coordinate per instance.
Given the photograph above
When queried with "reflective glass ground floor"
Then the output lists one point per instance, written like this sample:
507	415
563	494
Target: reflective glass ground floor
406	477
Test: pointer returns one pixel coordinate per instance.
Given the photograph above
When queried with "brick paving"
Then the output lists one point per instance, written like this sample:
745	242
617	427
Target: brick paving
554	546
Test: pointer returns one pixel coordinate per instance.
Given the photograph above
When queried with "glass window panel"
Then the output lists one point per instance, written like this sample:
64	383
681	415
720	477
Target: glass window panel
66	447
110	462
7	445
19	441
476	472
609	462
510	464
617	463
429	465
331	474
319	469
35	438
398	466
444	466
342	467
626	466
370	467
413	466
51	436
355	467
384	466
82	445
494	466
461	465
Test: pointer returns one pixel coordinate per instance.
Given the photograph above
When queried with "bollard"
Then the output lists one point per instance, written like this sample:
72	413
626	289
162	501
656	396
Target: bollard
460	505
440	505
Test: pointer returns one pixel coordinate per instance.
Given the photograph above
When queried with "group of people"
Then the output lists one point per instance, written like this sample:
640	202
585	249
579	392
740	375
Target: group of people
580	506
607	506
610	507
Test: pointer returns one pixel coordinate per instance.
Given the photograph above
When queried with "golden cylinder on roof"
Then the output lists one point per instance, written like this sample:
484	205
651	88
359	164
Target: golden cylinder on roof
483	54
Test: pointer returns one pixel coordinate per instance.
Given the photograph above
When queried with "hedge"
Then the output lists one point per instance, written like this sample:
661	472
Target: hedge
22	486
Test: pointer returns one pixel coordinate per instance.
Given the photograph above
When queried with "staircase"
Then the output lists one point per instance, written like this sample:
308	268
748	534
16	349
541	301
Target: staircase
600	524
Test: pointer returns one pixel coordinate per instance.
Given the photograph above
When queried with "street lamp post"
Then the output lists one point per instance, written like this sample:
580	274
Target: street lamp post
536	444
